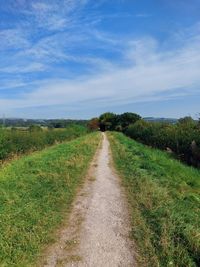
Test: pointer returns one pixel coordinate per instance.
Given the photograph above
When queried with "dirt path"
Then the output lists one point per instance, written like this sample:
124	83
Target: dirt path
98	229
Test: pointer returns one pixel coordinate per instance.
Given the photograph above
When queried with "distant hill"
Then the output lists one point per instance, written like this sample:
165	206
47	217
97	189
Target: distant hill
61	123
56	123
167	120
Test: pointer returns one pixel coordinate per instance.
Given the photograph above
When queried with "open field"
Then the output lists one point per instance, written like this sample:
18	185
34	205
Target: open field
34	193
164	204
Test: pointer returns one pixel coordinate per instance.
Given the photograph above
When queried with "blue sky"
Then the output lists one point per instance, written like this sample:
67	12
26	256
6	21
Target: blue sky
79	58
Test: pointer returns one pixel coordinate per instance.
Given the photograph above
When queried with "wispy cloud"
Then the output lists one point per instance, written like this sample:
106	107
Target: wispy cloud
10	84
56	38
151	72
143	15
53	15
13	39
49	32
32	67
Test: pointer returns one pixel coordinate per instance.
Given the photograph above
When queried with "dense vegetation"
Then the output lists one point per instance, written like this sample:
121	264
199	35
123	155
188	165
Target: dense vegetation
18	141
113	122
164	197
34	192
181	138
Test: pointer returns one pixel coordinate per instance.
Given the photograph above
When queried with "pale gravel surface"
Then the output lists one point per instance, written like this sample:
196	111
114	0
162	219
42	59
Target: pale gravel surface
97	233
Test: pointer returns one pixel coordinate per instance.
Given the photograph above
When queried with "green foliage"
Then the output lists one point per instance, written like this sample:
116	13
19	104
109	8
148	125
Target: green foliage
36	193
18	141
35	128
127	118
113	122
182	138
107	121
164	200
187	121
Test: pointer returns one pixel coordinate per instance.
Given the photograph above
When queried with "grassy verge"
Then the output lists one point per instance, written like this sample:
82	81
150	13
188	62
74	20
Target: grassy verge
34	192
164	197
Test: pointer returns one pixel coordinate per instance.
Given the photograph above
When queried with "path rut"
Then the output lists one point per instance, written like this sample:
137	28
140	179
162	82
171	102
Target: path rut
97	233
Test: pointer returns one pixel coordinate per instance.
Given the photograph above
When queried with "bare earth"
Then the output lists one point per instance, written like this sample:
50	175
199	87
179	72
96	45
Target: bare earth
97	233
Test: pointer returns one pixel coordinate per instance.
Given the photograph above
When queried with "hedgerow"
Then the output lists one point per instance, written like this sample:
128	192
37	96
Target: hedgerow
182	138
19	141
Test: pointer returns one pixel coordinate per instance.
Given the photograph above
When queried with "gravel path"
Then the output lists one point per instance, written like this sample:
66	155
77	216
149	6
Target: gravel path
97	233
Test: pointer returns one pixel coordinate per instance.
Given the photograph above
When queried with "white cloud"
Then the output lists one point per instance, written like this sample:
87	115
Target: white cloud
156	73
31	67
143	70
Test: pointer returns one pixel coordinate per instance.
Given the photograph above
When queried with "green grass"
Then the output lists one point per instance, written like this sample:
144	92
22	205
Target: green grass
17	142
164	197
36	193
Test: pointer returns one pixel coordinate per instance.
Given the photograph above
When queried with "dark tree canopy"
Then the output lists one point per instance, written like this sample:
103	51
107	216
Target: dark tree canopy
107	121
128	118
113	122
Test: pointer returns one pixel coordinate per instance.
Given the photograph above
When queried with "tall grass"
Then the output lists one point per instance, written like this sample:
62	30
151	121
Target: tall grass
36	192
164	197
15	142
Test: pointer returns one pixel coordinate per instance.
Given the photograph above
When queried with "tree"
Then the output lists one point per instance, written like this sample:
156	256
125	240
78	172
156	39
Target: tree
187	121
113	122
93	124
128	118
107	121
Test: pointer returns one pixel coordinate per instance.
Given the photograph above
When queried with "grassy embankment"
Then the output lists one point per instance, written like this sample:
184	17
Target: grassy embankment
164	197
36	192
